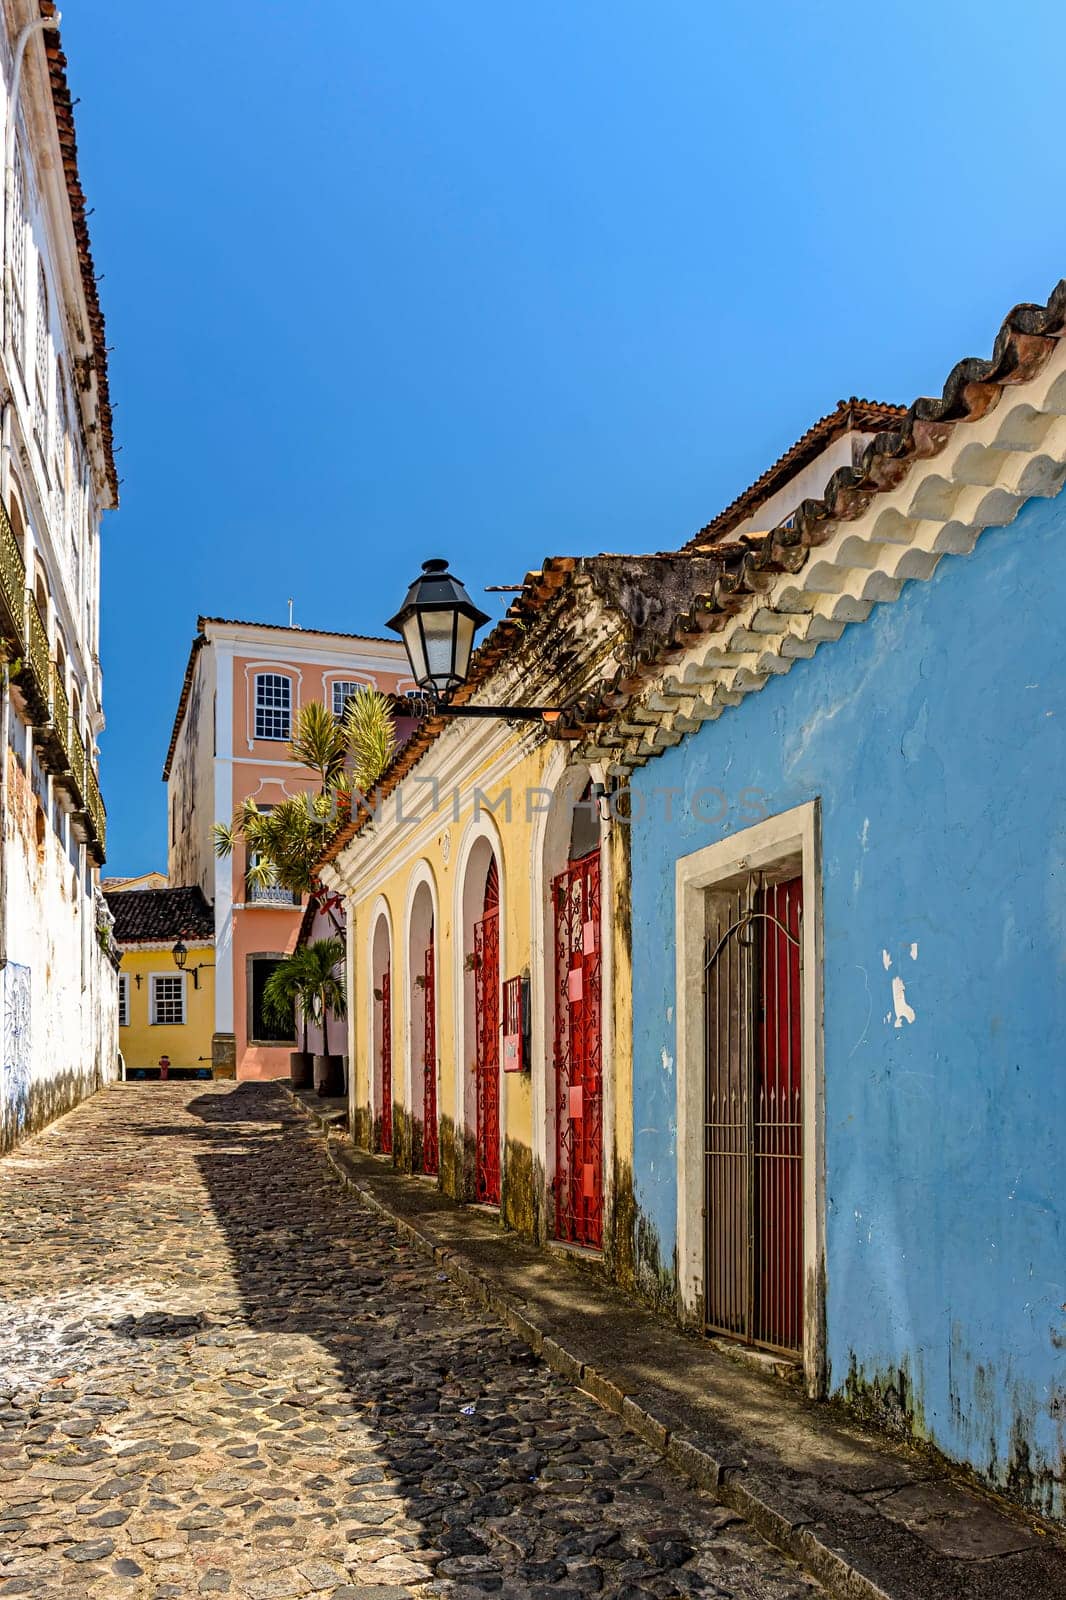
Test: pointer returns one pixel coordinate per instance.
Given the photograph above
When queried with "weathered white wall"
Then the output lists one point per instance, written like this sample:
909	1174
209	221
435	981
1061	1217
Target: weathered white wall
806	485
190	788
58	991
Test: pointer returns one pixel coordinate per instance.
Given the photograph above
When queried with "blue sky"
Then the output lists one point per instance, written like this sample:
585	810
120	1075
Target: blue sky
496	281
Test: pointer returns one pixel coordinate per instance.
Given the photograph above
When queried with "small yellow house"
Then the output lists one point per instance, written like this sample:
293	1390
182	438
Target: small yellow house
167	978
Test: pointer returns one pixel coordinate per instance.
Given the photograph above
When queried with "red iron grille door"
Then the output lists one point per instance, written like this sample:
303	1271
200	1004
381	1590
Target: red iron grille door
430	1144
578	1055
753	1147
386	1061
487	1062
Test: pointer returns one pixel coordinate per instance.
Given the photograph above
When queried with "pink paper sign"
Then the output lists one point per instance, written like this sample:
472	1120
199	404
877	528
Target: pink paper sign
575	984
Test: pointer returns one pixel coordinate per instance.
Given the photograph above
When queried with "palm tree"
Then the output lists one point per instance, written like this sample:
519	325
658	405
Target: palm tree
320	742
323	988
289	839
284	993
370	735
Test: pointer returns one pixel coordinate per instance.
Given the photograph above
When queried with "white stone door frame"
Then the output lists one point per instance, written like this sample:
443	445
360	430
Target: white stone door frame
793	835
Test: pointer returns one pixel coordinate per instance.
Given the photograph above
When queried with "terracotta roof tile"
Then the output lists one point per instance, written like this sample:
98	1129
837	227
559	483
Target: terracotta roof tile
159	916
863	416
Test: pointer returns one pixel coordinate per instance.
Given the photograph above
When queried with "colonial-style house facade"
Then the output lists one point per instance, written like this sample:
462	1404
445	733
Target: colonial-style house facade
786	984
57	475
485	967
848	955
244	685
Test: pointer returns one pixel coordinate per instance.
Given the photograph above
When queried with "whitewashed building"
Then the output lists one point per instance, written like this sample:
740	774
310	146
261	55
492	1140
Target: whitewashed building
58	985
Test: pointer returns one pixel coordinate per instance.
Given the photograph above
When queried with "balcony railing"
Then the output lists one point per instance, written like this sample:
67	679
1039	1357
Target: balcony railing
34	676
78	764
12	587
269	894
60	717
97	814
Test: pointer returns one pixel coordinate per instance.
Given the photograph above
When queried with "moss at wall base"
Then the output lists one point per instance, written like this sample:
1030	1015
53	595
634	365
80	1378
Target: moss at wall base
519	1190
45	1101
362	1127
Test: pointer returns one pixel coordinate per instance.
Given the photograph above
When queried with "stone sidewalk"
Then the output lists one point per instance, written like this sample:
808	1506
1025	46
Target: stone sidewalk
874	1519
223	1373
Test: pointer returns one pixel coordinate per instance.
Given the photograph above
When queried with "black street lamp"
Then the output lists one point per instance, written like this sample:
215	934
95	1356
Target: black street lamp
180	952
437	623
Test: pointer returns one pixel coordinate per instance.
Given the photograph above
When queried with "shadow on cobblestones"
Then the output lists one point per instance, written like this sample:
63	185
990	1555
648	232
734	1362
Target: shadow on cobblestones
343	1423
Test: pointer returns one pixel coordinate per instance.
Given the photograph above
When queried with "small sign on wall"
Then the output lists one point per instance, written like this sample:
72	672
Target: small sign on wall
516	1025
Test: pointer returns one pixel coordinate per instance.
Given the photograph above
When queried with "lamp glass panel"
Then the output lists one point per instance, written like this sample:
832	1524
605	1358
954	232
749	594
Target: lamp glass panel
412	638
464	643
438	630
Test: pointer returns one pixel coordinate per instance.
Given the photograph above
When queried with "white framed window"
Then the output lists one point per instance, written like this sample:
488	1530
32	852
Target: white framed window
123	999
273	706
40	407
60	429
18	261
343	691
167	999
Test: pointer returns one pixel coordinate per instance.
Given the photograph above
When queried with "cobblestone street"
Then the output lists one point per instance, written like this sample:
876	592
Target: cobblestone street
221	1375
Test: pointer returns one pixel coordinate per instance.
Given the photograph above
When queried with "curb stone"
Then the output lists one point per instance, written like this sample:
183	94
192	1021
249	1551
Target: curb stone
800	1540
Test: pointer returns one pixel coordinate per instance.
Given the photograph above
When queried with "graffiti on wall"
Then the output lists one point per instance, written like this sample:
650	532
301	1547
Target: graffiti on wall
16	1059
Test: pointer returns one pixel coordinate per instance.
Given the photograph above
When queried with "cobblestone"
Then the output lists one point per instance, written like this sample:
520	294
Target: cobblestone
220	1374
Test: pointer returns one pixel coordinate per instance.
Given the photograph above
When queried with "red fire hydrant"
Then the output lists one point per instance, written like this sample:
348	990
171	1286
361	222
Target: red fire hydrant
164	1066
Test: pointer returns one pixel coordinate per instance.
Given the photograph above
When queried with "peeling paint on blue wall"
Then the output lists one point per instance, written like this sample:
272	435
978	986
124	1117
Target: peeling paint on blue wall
934	736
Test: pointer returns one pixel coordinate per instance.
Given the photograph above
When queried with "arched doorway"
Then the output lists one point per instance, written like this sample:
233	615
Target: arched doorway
422	1042
381	1106
487	1041
578	1043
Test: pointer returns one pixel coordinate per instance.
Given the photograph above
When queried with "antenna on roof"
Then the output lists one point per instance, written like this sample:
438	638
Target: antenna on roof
291	623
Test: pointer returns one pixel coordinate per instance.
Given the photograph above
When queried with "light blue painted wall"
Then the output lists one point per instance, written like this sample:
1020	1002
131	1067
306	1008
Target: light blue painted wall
934	736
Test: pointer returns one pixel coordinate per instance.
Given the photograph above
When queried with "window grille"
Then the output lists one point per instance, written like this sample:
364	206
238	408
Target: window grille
18	261
40	409
168	999
124	1000
343	691
273	706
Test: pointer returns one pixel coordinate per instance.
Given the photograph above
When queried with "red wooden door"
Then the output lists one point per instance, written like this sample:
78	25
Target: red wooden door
487	1060
578	1055
386	1061
430	1143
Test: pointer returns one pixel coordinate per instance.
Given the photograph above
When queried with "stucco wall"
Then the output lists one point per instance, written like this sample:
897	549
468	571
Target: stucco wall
188	1044
190	791
58	990
933	735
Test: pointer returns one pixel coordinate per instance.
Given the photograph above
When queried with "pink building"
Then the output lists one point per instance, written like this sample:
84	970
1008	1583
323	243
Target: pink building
244	684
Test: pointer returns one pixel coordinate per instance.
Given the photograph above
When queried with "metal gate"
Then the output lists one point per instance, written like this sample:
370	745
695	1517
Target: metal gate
386	1061
487	1062
754	1115
578	1055
430	1143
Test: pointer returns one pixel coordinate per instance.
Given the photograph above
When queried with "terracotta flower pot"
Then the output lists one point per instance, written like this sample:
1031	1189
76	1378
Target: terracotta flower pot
329	1076
301	1068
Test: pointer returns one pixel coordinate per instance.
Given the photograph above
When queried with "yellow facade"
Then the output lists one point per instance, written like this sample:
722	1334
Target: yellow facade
142	1041
474	793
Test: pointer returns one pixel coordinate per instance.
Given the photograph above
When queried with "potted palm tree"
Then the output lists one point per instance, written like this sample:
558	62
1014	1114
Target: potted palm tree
321	966
284	995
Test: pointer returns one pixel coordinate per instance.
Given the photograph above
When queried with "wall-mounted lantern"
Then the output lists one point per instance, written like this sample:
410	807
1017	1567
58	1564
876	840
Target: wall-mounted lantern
437	623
